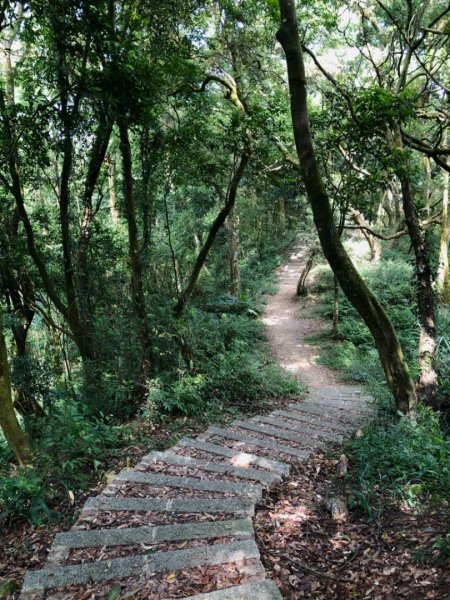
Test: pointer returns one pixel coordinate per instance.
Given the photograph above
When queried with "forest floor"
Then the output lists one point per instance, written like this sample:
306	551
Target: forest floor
384	555
387	554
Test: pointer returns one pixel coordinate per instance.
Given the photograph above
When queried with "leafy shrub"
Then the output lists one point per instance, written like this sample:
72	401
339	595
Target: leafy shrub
443	348
355	356
68	451
404	458
228	368
22	495
228	304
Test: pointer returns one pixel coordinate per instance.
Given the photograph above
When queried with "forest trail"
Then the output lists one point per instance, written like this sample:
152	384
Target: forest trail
179	524
287	332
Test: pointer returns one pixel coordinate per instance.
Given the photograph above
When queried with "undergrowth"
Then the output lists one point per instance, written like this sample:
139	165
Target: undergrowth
209	367
396	457
69	452
228	369
408	460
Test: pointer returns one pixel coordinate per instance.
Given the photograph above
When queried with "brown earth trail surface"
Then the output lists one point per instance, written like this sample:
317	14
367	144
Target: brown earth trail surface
180	523
287	328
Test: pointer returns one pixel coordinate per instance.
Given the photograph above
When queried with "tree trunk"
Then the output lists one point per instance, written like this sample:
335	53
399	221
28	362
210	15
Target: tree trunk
79	326
235	273
96	159
137	284
352	284
428	383
175	264
70	312
218	222
374	243
428	185
16	438
113	205
24	309
335	325
301	285
387	204
282	214
147	167
442	279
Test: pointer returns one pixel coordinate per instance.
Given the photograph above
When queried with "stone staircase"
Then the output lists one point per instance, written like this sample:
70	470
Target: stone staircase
160	528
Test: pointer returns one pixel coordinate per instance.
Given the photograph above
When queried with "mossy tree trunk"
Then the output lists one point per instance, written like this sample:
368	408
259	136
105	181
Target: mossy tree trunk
16	438
428	382
352	284
137	279
442	279
374	243
301	284
235	272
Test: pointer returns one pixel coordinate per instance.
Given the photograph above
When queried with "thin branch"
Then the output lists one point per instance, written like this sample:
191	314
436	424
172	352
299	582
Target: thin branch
434	220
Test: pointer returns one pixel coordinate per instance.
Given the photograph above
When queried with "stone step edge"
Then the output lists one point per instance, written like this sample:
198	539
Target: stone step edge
314	422
94	538
341	390
363	410
181	505
258	442
282	469
208	485
171	458
319	411
303	440
256	590
145	565
273	421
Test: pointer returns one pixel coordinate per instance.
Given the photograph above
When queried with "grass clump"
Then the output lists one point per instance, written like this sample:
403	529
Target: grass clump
409	460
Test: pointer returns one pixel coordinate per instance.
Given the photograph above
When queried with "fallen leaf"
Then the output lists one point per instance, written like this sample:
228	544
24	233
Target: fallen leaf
115	592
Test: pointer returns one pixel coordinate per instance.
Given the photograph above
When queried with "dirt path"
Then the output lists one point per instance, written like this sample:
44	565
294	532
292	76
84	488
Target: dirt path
287	328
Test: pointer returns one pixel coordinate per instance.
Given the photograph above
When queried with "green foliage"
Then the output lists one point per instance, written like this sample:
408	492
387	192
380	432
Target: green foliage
228	304
68	449
228	370
355	356
22	495
442	545
443	348
406	459
377	105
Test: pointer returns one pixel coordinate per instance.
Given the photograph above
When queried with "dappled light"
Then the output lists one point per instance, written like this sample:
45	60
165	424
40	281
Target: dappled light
224	299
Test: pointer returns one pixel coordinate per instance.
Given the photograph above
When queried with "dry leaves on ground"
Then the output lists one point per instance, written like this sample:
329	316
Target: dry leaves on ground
310	556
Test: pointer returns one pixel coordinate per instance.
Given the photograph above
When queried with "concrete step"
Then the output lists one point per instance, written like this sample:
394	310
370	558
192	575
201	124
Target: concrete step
314	421
171	458
280	469
344	391
256	590
354	407
258	442
190	483
326	412
142	565
301	429
153	535
341	389
303	440
235	506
